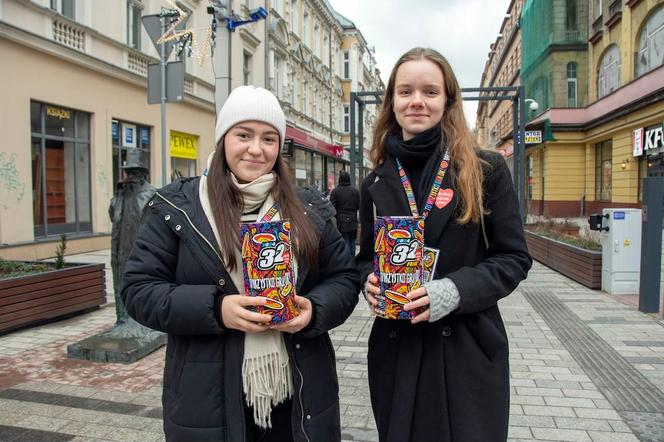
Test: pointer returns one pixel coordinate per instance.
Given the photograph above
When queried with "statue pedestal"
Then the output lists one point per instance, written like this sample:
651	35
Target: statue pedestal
124	343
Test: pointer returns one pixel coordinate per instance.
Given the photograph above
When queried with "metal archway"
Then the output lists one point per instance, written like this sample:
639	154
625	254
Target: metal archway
515	94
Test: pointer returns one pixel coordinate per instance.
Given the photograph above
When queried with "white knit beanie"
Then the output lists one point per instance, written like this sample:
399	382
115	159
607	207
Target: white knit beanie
250	103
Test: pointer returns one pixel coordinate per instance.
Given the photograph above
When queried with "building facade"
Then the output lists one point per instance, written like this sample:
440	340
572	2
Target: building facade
494	118
595	155
77	100
313	58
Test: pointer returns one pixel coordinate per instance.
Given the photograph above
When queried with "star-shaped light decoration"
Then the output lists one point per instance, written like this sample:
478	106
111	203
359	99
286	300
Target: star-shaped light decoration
187	36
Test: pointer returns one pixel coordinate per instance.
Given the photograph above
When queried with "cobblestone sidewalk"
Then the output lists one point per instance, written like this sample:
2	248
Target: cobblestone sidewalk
583	368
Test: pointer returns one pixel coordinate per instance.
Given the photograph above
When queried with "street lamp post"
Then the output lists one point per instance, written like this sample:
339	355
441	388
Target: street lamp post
220	10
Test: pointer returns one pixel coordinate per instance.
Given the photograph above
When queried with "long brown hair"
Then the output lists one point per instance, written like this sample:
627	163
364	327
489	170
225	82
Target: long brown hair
226	203
460	141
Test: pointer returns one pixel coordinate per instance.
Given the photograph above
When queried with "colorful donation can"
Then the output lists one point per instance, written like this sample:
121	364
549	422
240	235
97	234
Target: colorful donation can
267	267
398	245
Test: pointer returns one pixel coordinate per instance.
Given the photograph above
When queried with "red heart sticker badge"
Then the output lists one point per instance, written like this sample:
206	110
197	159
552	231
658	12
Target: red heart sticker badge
444	197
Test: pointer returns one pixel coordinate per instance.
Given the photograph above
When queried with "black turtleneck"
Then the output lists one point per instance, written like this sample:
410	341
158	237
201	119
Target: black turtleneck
420	157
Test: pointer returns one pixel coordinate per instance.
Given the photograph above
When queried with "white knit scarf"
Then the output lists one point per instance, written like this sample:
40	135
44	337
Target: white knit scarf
266	374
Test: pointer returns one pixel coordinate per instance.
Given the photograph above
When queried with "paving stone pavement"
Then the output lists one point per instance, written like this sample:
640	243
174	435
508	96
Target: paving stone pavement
562	388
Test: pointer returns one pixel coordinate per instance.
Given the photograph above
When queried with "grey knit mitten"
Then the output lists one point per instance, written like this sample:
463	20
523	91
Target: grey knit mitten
443	298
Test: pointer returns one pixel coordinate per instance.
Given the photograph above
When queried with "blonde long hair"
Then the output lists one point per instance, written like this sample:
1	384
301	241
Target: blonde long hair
460	141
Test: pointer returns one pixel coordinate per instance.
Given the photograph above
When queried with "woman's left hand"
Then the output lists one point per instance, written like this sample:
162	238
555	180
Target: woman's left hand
300	321
418	298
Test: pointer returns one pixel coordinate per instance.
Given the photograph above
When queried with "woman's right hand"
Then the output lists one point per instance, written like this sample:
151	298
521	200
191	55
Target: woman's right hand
235	313
371	290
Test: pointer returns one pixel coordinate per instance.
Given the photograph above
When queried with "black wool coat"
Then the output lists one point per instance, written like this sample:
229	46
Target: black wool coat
447	380
172	279
346	199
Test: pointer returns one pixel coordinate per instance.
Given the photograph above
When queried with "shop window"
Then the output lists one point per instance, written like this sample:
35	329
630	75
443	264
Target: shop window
126	136
134	11
572	72
608	72
183	153
60	152
651	42
317	169
65	7
302	167
603	170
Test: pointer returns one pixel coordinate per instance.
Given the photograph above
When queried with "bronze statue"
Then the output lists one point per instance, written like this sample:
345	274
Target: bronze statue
127	341
126	209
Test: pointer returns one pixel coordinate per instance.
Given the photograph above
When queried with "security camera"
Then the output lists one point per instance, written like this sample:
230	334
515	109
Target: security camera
534	106
258	13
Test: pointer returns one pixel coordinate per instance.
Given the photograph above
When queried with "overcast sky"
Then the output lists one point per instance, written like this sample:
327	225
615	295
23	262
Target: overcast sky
461	30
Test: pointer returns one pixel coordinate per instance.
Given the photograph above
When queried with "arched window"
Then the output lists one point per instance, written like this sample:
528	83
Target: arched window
572	75
651	42
608	72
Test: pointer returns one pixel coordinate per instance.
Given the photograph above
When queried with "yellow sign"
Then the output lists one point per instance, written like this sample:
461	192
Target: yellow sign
183	145
58	113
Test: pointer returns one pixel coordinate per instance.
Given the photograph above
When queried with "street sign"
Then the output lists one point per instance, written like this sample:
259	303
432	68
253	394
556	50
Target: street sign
174	82
152	25
533	137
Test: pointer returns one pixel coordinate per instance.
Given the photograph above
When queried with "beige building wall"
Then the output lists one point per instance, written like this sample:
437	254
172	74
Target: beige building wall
95	74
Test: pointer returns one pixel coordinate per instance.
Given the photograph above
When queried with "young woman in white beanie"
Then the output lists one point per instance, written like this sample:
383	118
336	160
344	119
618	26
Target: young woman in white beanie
229	375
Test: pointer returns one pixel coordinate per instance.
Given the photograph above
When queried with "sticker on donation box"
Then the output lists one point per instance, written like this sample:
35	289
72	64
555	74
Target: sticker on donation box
267	267
618	215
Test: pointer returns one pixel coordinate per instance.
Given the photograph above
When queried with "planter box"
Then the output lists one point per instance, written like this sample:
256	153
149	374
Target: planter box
29	299
581	265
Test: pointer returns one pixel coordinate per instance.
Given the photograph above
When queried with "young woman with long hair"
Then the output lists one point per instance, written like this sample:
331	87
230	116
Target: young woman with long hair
442	375
229	374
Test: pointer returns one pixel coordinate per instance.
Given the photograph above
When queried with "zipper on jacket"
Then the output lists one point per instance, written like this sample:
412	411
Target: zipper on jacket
193	226
299	393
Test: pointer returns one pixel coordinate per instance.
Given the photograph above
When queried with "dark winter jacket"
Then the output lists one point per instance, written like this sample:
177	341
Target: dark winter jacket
172	279
448	380
346	199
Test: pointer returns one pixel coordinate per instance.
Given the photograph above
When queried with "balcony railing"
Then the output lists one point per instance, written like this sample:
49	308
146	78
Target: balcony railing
138	64
68	35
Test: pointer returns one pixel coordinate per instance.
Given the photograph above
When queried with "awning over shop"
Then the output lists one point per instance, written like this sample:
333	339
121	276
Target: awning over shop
303	139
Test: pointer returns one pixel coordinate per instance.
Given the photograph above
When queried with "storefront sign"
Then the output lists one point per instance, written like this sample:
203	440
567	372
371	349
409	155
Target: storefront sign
183	145
637	142
649	140
58	113
300	137
533	137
